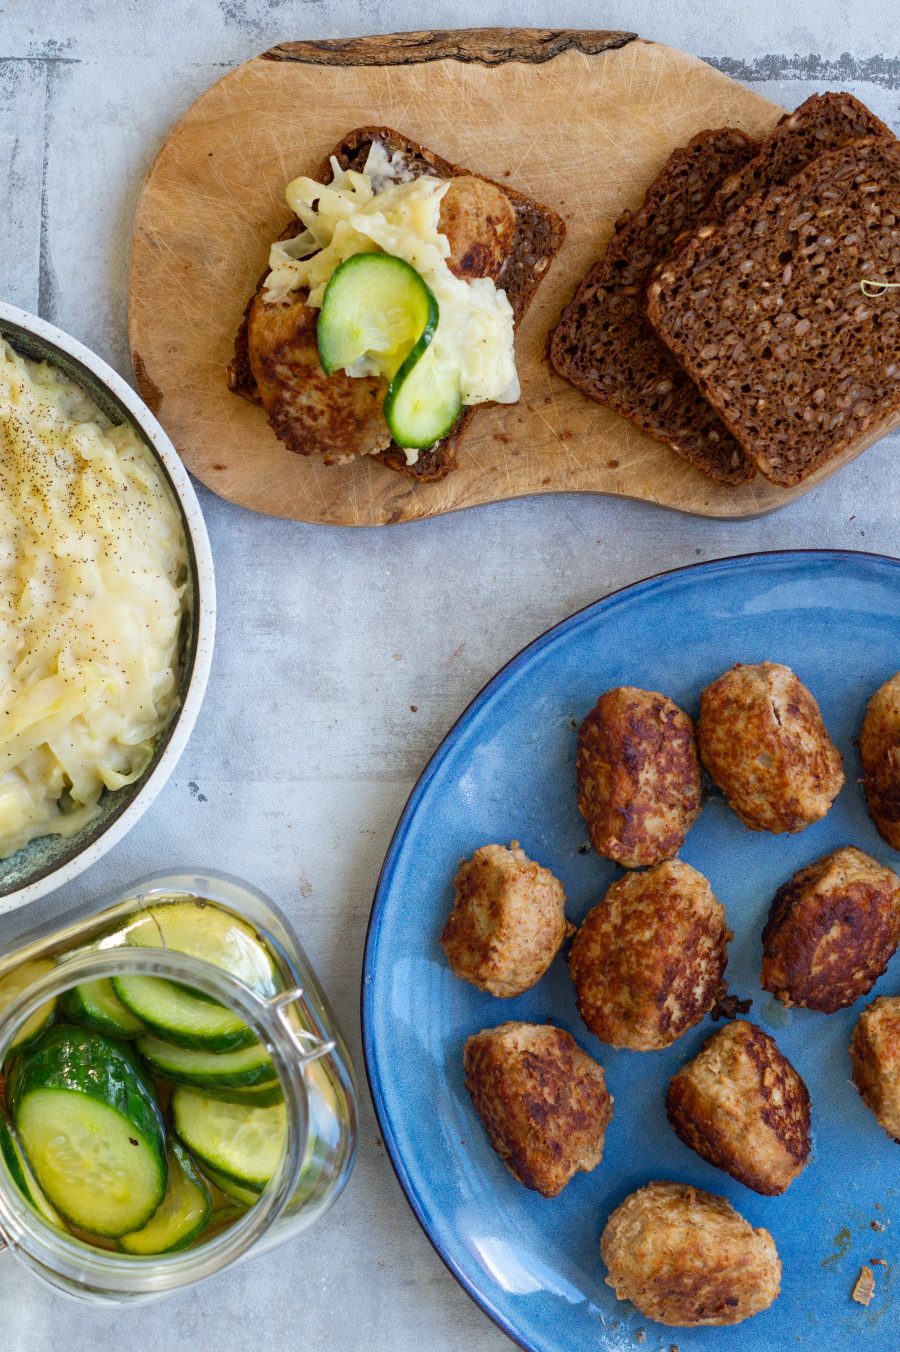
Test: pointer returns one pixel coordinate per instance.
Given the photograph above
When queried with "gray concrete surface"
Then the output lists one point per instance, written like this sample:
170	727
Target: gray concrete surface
307	745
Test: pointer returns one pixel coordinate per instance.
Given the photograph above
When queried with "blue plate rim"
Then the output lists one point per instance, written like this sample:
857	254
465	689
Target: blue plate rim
428	772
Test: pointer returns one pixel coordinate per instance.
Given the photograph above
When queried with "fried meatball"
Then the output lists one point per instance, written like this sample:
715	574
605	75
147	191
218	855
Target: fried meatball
638	776
879	749
875	1056
337	417
648	962
543	1102
507	923
685	1257
831	932
742	1106
479	222
763	741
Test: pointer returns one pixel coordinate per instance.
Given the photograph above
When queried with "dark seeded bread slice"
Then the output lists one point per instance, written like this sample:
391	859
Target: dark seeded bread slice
537	239
766	313
603	344
823	122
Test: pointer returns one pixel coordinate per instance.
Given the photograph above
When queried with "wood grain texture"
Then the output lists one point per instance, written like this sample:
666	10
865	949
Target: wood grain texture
582	131
489	46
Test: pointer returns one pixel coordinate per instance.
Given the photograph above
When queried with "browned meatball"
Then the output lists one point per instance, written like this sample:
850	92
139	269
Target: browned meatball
875	1054
508	920
648	962
479	222
763	741
638	776
742	1106
831	931
543	1102
879	749
685	1257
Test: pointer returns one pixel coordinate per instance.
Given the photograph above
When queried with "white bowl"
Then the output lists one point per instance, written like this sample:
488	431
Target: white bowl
51	861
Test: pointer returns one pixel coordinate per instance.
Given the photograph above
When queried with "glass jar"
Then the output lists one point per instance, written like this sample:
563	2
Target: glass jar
292	1020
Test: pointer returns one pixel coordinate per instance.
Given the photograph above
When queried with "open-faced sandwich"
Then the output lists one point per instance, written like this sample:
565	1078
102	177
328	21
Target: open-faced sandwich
390	304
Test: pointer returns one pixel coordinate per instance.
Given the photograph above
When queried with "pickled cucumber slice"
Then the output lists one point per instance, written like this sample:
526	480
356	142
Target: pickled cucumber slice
376	309
91	1130
237	1192
206	931
96	1005
423	402
253	1095
176	1014
13	985
240	1142
21	1174
182	1215
226	1070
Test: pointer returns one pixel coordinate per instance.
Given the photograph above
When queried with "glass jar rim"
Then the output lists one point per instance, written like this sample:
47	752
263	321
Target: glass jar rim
212	886
117	1273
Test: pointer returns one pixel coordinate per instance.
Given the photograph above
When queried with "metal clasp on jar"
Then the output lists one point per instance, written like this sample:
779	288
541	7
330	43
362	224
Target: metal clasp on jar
309	1046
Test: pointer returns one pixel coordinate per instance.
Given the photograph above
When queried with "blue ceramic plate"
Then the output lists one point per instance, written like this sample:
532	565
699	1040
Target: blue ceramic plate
505	771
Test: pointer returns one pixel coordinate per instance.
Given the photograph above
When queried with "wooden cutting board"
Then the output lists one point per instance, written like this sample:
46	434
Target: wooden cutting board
581	120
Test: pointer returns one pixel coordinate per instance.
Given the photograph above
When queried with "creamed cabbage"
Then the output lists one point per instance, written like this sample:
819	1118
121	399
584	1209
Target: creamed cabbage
93	567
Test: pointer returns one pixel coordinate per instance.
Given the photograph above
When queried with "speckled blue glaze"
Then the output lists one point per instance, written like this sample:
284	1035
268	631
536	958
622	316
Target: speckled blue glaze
506	771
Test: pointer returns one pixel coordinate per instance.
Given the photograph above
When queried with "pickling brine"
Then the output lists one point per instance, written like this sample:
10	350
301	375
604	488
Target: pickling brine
175	1092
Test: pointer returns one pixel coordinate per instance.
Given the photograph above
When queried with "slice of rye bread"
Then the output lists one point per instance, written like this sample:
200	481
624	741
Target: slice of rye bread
766	312
823	122
538	237
603	344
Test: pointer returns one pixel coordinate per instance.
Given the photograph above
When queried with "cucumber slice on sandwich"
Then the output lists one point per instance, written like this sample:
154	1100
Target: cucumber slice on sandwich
423	402
376	308
183	1214
91	1129
379	316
